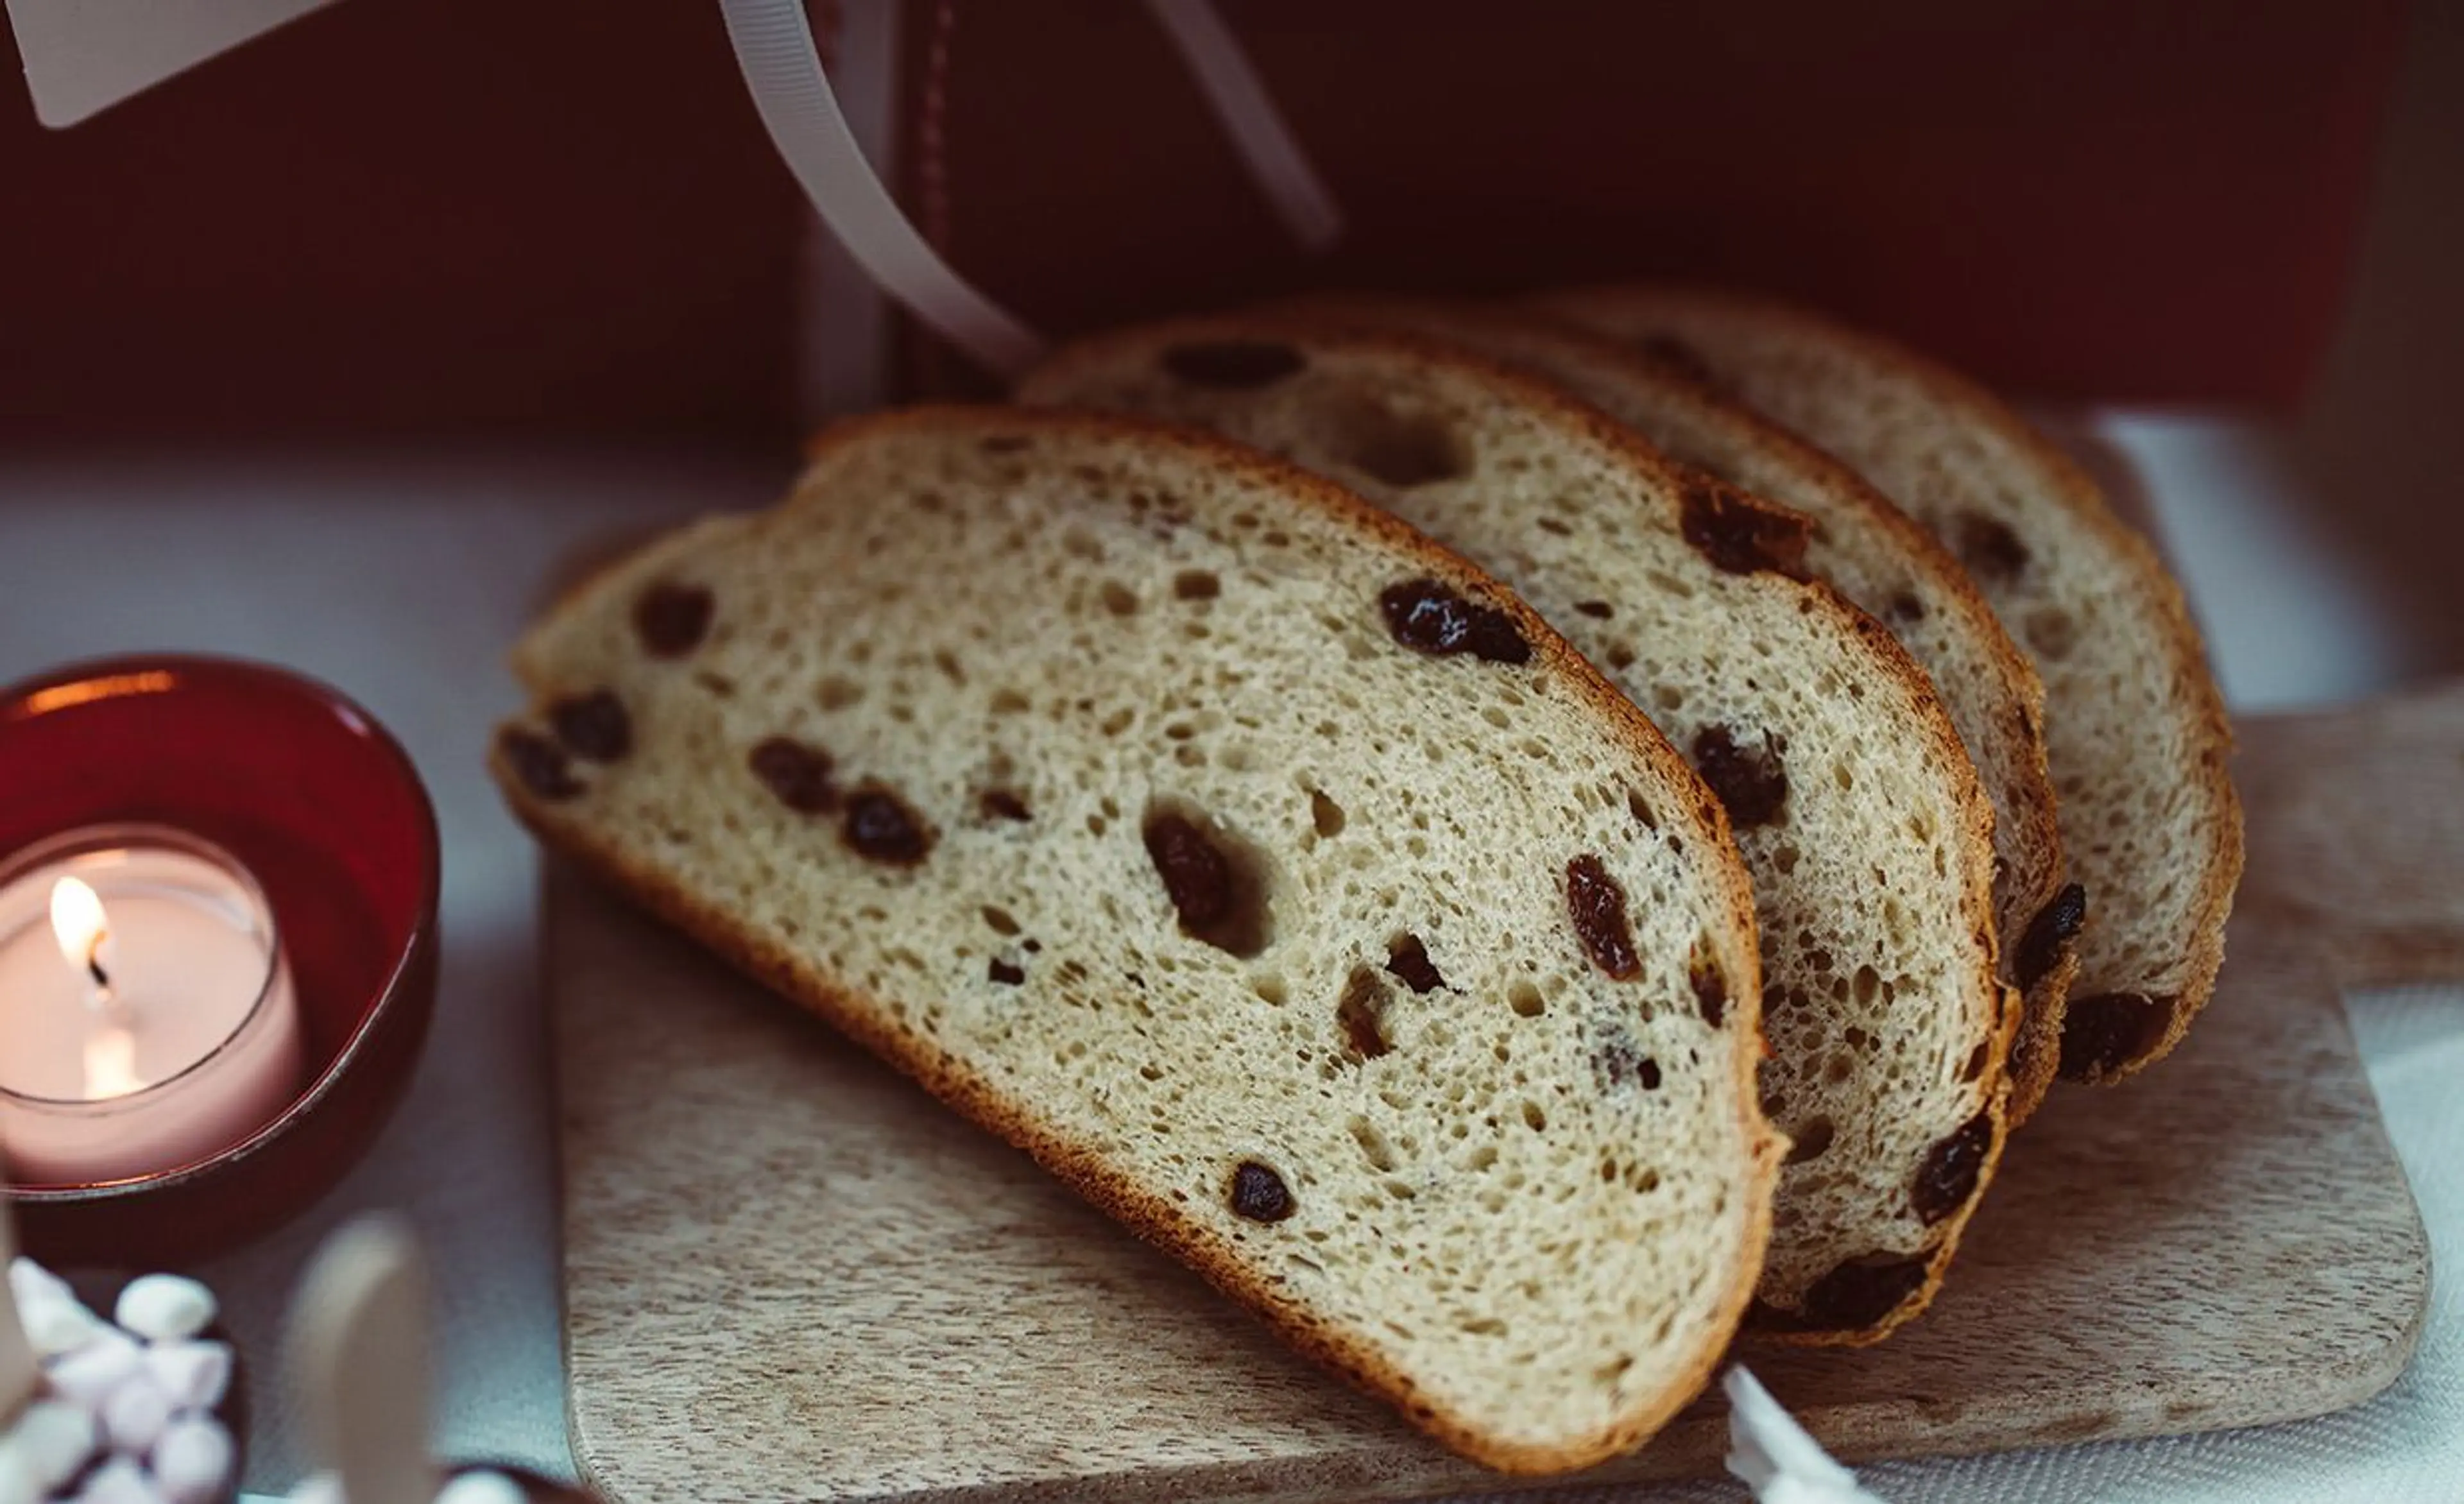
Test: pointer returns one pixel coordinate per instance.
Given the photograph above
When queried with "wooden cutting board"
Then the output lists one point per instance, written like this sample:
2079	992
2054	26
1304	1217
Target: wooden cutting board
791	1275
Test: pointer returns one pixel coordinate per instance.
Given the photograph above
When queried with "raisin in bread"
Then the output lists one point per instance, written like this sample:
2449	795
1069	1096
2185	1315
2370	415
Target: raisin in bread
1273	876
1874	554
2135	729
1861	818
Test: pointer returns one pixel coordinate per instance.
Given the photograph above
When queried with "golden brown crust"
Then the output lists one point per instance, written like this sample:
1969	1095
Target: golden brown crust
1926	719
1153	1217
2084	509
2026	805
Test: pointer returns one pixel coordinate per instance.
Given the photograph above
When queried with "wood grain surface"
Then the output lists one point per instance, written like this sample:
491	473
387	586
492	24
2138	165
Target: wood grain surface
791	1275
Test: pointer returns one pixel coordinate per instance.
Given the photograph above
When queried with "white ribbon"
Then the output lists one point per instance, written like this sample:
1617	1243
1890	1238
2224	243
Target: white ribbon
1257	130
774	46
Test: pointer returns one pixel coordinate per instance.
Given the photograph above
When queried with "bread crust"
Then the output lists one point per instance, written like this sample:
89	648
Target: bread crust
1927	721
2079	506
1153	1217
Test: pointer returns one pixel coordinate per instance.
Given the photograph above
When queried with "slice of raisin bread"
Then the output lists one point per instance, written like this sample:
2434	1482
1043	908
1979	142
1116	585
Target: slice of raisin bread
1273	876
1860	817
1873	553
2135	729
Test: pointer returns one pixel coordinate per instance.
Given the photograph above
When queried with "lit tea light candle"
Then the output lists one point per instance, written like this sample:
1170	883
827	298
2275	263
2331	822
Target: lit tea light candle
146	1013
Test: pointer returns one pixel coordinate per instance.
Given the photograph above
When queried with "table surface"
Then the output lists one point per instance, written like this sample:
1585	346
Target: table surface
403	575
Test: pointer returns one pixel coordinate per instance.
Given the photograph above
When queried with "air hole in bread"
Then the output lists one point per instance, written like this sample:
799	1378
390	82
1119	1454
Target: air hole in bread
717	684
1946	1178
1003	804
1533	1117
1233	366
1402	450
1407	959
1640	808
1360	1014
948	663
835	693
999	920
1373	1146
1620	656
1599	610
1557	526
1811	1141
1005	973
2051	632
1269	988
1526	1000
1326	816
1906	609
1195	585
1119	599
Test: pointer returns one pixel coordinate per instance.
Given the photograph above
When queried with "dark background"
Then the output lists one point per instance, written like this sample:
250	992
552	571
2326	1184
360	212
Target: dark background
449	218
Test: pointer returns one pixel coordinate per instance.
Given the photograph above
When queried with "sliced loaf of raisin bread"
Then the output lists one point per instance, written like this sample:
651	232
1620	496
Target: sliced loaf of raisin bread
1861	819
2135	730
1876	555
1269	874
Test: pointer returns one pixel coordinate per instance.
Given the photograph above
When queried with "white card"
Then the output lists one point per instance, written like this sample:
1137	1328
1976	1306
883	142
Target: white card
85	56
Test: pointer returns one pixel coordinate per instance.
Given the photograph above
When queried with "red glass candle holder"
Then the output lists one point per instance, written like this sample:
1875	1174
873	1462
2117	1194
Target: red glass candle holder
326	812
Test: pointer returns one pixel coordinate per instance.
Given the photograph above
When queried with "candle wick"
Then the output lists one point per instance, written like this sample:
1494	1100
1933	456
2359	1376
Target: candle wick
94	968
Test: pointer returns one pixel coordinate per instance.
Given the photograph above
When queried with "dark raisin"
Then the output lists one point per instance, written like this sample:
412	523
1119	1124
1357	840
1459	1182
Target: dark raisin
1006	974
1990	550
1597	905
1258	1193
1750	783
594	725
1233	364
2055	925
2101	1034
1213	881
999	804
1408	960
1361	1013
540	764
1676	356
1906	608
798	774
1739	535
672	619
1429	617
1862	1292
1947	1177
1710	985
880	824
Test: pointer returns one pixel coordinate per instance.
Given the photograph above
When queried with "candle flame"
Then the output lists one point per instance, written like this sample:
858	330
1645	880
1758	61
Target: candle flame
110	1064
77	922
